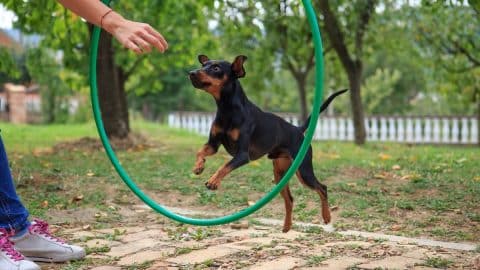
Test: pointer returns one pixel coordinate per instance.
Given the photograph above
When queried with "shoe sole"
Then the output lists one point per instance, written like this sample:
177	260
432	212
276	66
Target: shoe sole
74	257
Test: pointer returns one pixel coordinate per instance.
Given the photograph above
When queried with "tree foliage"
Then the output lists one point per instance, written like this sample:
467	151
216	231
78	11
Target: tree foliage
402	55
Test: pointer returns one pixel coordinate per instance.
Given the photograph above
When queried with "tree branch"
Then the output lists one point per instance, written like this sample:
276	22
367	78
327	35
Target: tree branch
129	71
364	18
456	70
470	57
335	34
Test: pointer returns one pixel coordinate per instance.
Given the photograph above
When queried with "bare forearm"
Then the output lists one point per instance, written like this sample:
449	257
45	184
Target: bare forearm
94	12
90	10
136	36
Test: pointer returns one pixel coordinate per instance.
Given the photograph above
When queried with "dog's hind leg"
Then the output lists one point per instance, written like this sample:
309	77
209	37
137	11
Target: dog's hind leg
280	167
307	177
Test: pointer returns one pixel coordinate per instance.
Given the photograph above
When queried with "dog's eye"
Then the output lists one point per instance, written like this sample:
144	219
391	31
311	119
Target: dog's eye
216	68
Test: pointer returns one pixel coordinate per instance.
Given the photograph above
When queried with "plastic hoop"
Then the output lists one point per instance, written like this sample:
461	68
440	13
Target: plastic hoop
319	70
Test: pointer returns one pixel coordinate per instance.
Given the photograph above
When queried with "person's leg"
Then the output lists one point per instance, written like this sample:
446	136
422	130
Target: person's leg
13	218
13	215
33	240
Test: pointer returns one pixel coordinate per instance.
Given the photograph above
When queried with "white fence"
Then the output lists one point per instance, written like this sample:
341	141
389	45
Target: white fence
434	130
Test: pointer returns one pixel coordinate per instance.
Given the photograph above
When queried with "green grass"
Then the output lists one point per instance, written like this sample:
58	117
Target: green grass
315	260
434	192
438	262
25	138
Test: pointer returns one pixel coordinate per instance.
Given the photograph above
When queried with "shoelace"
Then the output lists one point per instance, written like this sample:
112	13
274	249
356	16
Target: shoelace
41	227
7	246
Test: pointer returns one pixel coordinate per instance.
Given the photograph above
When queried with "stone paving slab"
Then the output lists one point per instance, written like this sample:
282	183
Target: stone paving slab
127	230
248	244
132	247
199	256
162	266
395	262
97	243
338	263
256	247
145	256
361	244
417	241
291	235
282	263
157	234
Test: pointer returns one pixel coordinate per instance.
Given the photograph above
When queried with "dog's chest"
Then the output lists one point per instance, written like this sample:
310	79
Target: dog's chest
229	138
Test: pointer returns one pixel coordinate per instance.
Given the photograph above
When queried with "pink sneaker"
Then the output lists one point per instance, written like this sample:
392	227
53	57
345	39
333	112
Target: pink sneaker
41	246
10	258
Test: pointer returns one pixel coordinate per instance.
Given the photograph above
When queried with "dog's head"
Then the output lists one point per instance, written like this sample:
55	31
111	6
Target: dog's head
214	75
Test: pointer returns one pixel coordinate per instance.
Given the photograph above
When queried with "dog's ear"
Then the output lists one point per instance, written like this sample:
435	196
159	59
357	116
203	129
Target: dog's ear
203	59
237	66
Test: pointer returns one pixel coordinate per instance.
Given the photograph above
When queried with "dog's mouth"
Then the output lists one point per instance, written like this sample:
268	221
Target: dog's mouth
197	83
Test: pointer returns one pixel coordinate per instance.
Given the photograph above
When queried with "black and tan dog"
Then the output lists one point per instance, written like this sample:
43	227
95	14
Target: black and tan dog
248	133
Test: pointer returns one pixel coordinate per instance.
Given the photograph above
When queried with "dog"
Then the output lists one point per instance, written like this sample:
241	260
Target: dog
248	133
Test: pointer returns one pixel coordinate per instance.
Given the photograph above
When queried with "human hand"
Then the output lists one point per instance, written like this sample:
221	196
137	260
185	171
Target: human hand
136	36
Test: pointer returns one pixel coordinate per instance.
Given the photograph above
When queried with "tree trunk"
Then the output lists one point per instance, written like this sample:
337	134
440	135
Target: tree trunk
301	82
49	107
111	90
354	78
478	120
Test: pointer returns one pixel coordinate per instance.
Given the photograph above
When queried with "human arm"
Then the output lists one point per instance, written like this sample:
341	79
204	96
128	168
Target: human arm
136	36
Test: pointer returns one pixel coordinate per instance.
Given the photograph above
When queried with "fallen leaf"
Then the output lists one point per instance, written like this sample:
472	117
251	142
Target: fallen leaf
396	167
46	164
411	177
333	156
255	163
383	156
37	152
380	176
77	198
462	160
90	174
250	203
477	178
87	227
239	226
334	208
396	227
45	204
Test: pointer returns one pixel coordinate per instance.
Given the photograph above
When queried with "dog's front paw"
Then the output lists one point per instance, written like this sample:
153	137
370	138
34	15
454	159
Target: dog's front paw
212	185
286	228
198	170
326	215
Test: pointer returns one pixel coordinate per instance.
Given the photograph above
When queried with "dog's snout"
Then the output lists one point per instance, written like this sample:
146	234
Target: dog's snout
192	73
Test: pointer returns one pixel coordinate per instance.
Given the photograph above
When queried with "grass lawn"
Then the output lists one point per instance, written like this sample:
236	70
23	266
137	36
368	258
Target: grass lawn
415	191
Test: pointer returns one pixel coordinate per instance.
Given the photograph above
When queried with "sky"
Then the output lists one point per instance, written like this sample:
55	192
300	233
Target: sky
6	18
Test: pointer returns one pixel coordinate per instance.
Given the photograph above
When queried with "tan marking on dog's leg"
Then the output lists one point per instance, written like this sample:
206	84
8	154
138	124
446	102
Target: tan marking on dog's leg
324	200
214	181
234	134
215	129
280	166
205	151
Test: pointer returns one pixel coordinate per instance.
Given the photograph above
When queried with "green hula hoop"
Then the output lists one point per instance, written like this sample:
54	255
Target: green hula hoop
312	19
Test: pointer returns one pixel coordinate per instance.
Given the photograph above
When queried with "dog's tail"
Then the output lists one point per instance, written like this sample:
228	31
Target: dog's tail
322	108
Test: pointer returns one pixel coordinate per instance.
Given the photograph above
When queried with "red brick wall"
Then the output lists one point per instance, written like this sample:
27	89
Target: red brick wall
18	110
